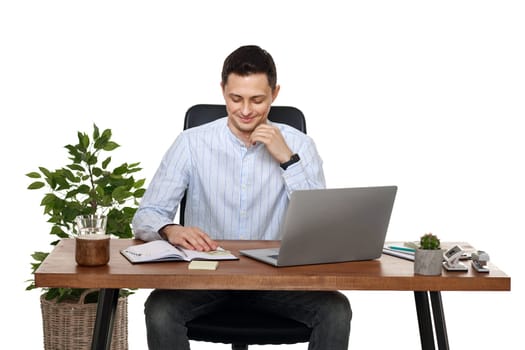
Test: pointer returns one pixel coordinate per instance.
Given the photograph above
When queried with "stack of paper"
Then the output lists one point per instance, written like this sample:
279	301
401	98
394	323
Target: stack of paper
400	250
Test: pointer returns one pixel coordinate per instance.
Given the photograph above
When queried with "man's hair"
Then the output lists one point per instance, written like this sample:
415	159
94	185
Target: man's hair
250	59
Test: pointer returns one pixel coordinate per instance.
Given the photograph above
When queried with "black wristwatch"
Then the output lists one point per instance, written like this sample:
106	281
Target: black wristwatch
294	159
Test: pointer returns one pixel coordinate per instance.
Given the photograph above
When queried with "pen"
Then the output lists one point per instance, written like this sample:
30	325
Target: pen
403	249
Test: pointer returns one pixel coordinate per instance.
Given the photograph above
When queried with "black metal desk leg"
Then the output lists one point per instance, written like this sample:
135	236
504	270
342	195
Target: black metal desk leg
439	320
426	333
106	308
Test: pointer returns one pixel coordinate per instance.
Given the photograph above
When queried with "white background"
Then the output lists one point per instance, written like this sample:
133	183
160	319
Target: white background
424	95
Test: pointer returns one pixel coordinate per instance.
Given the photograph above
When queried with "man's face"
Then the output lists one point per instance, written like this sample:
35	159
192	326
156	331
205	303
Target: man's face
248	100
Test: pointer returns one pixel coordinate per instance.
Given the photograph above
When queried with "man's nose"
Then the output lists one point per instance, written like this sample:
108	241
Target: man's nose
246	108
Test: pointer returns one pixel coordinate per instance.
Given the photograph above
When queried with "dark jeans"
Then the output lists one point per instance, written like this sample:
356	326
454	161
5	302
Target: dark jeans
327	313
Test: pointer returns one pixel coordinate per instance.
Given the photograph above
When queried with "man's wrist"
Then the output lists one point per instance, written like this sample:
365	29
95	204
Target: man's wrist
163	229
293	159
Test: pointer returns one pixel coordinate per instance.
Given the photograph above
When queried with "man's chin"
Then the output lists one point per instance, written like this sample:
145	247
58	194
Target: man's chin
245	126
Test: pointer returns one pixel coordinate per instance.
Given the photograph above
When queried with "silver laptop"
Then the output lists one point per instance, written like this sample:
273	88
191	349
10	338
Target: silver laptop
332	225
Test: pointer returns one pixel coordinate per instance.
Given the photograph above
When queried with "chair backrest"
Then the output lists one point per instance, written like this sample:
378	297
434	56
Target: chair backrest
204	113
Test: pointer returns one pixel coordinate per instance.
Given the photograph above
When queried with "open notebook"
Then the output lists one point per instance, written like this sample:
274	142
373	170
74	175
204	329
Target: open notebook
160	250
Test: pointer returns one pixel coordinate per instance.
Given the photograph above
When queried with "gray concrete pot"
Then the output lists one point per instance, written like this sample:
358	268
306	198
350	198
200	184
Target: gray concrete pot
428	262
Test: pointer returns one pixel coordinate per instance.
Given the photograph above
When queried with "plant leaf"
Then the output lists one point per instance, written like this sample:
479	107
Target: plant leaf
110	146
139	183
96	132
34	175
106	162
139	193
121	193
36	185
83	141
76	167
44	171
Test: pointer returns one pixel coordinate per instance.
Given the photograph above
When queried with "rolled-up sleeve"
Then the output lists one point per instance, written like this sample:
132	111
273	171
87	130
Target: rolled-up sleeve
159	205
307	173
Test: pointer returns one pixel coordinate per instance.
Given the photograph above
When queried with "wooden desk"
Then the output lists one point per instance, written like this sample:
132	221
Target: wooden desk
387	273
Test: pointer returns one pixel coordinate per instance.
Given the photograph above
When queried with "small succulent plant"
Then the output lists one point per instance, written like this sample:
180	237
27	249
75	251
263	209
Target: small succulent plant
429	241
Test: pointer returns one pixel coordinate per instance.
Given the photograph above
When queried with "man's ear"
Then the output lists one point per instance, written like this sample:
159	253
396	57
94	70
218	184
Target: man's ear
223	90
275	92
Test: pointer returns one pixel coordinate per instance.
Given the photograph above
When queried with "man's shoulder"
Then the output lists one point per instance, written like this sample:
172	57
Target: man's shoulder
290	131
212	126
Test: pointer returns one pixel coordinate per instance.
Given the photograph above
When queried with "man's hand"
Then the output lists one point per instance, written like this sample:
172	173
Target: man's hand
274	141
189	238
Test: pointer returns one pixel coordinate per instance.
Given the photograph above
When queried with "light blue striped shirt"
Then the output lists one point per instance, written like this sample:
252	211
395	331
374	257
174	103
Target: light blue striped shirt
234	191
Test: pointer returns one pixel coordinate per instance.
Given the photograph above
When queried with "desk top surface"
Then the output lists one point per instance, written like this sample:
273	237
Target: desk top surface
387	273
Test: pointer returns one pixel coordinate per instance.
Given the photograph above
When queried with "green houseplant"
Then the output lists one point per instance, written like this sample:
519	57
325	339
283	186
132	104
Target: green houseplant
429	256
86	185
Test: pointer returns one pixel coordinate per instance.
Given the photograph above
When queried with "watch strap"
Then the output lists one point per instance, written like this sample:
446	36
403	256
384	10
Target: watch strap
293	159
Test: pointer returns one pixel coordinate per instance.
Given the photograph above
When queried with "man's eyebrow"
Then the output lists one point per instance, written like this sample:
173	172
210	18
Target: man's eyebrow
232	94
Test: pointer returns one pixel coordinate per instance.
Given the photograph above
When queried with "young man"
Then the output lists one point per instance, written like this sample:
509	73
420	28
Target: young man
238	172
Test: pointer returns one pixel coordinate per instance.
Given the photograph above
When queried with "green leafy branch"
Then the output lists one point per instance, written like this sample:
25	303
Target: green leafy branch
87	185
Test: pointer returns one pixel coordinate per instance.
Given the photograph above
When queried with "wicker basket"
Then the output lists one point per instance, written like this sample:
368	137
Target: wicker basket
69	325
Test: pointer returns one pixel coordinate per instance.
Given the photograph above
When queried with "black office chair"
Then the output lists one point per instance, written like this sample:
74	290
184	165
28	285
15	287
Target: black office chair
244	327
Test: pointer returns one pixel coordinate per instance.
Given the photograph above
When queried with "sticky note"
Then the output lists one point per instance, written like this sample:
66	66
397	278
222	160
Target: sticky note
203	265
